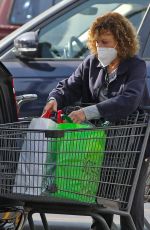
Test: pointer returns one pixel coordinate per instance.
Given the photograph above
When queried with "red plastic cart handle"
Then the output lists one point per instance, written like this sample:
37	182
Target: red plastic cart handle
48	114
59	117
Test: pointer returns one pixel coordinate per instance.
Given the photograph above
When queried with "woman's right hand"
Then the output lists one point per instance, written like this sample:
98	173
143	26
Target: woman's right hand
50	106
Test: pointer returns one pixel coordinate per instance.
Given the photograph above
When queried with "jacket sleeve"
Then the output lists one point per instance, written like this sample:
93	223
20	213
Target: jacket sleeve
121	106
69	91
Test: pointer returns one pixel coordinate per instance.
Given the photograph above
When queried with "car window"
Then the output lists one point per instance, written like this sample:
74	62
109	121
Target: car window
25	10
66	37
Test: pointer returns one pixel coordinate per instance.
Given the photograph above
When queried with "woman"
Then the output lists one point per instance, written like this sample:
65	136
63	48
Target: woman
112	78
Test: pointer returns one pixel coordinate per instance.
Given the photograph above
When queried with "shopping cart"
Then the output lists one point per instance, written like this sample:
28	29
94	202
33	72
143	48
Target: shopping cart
114	180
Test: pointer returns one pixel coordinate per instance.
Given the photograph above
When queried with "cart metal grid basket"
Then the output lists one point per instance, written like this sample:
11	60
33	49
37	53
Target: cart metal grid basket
147	187
147	195
114	179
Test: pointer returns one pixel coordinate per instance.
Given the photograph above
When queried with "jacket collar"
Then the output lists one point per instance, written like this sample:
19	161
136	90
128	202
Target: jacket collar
122	68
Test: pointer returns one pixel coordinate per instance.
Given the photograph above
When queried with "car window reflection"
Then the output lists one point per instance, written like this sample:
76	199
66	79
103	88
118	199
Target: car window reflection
68	36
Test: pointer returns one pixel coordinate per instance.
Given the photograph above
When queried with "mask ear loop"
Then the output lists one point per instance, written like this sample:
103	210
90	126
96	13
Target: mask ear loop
115	46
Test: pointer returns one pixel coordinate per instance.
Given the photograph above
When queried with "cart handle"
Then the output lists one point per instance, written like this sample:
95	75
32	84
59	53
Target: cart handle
145	108
47	114
60	116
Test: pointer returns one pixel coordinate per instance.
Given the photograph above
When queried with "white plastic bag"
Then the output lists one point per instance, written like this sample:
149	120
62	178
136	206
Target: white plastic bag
33	155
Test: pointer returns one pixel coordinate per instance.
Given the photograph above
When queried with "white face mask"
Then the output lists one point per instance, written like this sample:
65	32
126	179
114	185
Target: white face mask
106	55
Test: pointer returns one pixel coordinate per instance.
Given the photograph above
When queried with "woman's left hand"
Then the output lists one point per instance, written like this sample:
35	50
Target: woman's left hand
77	116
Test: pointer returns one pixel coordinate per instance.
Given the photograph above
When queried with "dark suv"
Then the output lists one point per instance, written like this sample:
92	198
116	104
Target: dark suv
14	13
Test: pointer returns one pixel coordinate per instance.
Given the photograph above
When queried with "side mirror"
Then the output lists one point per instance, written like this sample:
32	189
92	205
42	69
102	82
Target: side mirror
26	45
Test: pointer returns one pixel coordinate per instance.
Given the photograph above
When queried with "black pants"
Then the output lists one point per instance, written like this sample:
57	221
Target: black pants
137	210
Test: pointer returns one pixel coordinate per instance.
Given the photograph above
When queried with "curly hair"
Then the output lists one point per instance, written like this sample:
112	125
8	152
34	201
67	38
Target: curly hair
121	28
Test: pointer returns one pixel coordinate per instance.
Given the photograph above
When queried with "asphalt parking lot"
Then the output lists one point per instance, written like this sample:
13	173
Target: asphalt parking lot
67	222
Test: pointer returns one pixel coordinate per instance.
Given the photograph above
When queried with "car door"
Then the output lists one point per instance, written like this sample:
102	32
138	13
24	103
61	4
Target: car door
62	44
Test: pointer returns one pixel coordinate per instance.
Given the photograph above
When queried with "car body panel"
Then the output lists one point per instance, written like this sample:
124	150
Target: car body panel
38	80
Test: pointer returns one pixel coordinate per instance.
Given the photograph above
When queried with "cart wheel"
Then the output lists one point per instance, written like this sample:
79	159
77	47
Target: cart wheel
22	221
99	223
12	218
97	226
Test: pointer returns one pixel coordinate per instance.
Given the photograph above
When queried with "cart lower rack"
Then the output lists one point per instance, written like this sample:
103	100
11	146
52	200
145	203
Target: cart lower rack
94	166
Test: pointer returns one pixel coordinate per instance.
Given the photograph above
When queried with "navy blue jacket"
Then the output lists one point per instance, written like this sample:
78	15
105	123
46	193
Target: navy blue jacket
125	94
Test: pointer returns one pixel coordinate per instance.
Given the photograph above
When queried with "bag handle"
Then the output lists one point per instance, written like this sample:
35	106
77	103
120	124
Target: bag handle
47	114
59	116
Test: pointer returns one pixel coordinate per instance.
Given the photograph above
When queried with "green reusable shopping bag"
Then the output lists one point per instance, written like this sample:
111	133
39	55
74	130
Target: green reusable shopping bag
78	161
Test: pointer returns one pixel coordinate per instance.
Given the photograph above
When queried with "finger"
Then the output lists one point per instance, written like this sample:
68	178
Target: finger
78	121
55	107
75	118
72	115
49	106
46	108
